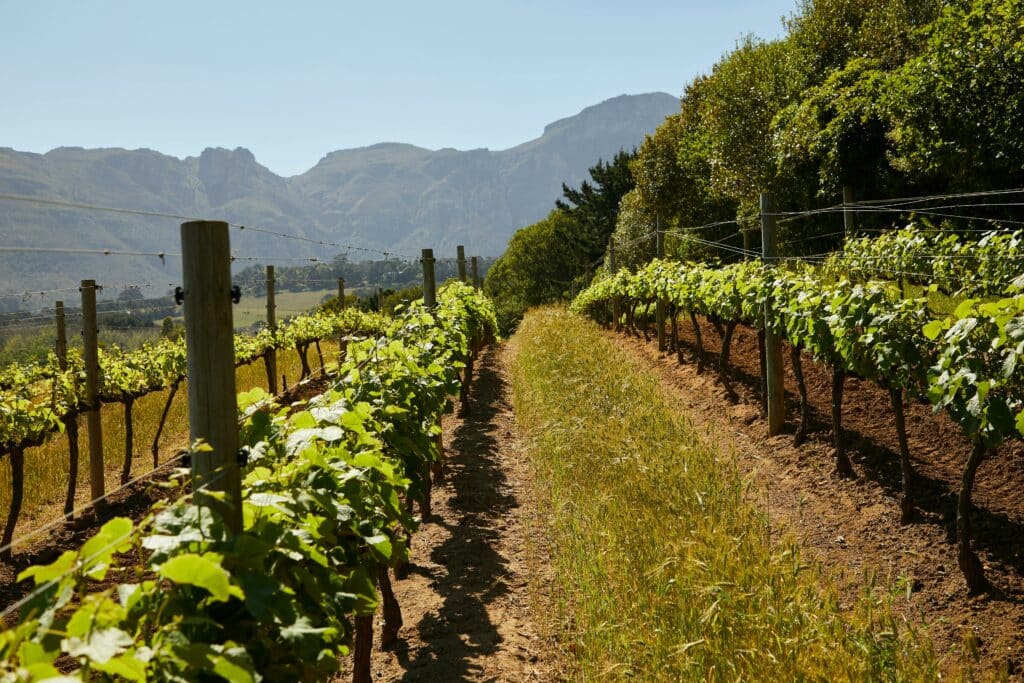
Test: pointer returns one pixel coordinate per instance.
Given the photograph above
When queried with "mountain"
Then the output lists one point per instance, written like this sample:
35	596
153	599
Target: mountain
390	196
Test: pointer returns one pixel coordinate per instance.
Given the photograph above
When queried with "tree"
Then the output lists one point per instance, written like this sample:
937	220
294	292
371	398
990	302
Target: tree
130	293
738	103
171	330
538	267
959	111
673	185
594	206
828	34
634	245
838	131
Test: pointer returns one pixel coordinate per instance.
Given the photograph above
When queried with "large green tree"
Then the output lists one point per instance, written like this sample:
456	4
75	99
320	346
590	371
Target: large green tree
538	267
594	206
959	105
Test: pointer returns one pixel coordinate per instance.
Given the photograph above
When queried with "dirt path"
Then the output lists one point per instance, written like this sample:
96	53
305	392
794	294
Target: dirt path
852	525
467	603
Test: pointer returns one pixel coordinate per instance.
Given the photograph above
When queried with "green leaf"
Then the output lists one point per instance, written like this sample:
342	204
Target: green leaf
113	537
933	329
48	572
251	397
381	544
302	420
195	570
33	653
1000	417
125	666
231	669
965	308
302	628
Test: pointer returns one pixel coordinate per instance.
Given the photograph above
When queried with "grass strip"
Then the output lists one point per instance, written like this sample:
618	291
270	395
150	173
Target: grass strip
665	567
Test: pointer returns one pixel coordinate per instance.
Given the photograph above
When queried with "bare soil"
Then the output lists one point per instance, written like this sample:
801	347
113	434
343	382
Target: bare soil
472	602
852	525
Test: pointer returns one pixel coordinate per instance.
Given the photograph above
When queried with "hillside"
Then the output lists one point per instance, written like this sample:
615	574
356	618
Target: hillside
390	196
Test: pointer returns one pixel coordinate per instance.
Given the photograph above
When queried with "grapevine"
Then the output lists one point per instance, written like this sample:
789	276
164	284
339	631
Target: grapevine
968	363
323	519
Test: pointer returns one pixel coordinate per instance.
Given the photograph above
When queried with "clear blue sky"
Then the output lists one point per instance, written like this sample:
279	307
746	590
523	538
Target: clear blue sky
293	81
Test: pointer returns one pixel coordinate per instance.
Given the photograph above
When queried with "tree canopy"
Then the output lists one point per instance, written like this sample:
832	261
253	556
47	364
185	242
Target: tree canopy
887	97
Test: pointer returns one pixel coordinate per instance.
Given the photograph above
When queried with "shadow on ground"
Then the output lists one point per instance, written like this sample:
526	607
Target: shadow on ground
461	630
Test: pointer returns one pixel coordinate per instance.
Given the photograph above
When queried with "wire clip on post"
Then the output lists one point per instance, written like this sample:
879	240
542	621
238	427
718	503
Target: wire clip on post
179	295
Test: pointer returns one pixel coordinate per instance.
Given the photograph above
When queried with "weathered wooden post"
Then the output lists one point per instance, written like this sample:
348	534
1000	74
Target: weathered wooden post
772	343
475	270
429	286
659	313
91	358
849	217
270	359
342	344
461	253
71	419
613	267
209	338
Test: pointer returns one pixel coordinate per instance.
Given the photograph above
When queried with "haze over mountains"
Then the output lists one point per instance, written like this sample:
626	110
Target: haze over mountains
390	196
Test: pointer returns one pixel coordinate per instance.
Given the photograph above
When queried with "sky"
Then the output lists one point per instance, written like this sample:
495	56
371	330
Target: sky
294	81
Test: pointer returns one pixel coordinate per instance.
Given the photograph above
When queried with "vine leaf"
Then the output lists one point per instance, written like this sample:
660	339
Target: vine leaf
196	570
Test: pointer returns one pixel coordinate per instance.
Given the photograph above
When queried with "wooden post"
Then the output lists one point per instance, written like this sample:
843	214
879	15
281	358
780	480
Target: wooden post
849	224
212	409
659	311
475	270
71	419
613	267
748	248
772	343
62	338
748	242
270	359
429	286
342	347
91	358
461	252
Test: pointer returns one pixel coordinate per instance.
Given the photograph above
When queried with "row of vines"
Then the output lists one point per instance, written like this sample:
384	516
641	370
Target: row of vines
328	492
846	314
41	400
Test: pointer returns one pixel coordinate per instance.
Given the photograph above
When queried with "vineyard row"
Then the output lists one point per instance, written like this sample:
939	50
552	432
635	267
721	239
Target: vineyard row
966	363
327	509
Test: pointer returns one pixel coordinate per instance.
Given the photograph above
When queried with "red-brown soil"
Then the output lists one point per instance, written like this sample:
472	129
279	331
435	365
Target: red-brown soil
480	563
852	525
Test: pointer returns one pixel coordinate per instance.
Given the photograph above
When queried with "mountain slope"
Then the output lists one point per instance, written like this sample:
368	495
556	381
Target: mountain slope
389	196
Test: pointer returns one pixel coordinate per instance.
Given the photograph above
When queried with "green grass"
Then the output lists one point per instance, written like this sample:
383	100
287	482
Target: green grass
46	467
254	309
665	568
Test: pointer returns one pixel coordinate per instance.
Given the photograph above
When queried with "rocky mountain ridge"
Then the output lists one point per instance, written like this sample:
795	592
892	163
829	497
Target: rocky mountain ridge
391	196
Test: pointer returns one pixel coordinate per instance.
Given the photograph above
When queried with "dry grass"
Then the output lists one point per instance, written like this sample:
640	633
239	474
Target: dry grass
46	467
666	570
254	309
